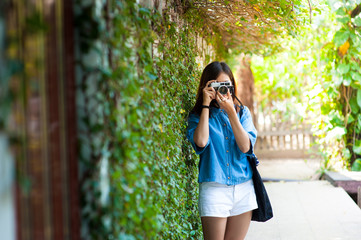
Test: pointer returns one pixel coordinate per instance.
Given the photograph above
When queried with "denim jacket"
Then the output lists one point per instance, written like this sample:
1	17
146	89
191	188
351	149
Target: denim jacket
221	160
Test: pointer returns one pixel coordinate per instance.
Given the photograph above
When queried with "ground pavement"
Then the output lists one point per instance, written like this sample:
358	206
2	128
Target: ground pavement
304	209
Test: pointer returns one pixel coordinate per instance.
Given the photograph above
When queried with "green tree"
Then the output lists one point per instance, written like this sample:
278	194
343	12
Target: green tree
319	73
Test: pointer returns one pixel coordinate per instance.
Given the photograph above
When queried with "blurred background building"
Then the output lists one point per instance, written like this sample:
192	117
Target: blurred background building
38	118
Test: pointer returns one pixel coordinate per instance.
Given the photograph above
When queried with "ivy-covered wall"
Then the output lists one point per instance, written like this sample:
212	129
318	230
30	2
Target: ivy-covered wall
137	78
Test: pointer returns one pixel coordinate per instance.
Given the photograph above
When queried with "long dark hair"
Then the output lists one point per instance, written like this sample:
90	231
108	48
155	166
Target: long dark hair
211	72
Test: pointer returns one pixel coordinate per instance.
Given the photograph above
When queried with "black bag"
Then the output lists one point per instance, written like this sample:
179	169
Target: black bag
264	211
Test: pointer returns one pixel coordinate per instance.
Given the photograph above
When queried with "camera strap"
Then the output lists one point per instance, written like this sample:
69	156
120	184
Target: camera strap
241	107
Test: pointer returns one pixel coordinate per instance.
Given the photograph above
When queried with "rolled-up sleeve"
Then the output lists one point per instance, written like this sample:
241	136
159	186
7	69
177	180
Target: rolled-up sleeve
193	120
247	124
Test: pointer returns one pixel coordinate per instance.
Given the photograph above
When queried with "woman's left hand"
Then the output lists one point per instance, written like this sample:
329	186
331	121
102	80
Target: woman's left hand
225	102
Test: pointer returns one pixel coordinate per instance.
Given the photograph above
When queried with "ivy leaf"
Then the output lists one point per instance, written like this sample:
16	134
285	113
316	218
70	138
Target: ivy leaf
356	166
357	147
344	20
356	76
354	38
359	97
144	10
152	76
347	81
354	66
336	133
344	47
346	153
325	109
357	21
350	119
337	81
341	37
343	68
354	106
340	11
336	121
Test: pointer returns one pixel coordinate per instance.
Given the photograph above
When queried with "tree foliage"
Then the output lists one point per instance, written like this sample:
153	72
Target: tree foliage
319	73
250	26
344	83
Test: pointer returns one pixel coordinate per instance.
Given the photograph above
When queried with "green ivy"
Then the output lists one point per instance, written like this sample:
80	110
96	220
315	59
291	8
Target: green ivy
143	99
344	83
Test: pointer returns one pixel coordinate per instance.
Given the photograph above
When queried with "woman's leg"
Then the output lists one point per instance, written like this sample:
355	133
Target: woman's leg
213	228
237	226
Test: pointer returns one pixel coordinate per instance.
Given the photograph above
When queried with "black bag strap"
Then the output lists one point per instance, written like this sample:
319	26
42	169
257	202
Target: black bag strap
241	107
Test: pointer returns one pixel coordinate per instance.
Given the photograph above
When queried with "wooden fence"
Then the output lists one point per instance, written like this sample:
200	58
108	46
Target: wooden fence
283	137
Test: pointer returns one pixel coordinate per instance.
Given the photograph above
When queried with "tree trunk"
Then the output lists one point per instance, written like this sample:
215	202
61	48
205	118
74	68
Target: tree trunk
245	84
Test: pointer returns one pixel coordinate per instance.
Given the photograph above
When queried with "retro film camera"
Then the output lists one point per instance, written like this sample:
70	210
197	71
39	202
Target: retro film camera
222	87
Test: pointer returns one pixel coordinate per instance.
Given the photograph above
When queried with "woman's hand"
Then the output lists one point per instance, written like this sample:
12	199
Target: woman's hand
240	134
208	93
225	102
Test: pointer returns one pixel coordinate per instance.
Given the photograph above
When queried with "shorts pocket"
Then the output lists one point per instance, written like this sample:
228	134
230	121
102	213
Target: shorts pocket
215	199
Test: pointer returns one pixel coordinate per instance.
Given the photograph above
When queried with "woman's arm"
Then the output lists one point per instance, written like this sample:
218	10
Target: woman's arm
240	134
201	133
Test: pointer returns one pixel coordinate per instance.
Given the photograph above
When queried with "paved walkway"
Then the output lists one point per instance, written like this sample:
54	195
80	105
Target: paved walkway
289	169
306	210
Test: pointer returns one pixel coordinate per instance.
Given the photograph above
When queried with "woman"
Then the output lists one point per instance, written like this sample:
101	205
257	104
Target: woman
222	139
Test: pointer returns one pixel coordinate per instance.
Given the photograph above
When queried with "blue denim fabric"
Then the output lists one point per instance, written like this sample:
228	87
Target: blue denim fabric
221	160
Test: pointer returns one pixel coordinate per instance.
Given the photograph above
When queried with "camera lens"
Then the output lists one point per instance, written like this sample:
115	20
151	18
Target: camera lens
223	90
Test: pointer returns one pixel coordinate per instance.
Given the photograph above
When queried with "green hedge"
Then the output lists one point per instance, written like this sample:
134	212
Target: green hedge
132	119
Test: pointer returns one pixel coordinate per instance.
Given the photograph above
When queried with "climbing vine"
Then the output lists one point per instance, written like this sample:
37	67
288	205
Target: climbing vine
135	104
343	86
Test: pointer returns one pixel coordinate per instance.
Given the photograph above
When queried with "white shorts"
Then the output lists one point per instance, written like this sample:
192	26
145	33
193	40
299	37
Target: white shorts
220	200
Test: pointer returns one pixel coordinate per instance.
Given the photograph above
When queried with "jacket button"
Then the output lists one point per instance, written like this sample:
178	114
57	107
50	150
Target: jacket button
224	124
227	151
229	178
226	137
227	164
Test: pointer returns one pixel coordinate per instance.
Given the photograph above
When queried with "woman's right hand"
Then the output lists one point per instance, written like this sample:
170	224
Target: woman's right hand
208	93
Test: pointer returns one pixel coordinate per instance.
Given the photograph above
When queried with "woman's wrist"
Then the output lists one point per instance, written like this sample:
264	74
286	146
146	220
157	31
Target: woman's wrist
231	110
206	103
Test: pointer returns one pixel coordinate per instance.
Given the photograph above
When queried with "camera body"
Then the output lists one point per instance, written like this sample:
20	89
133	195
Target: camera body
222	87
